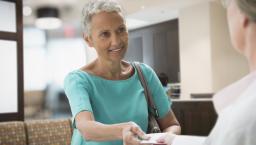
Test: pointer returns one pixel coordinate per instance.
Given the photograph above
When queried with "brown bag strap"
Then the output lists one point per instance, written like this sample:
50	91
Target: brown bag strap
152	107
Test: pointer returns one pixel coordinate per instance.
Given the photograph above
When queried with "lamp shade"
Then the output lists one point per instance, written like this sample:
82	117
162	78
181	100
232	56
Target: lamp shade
48	18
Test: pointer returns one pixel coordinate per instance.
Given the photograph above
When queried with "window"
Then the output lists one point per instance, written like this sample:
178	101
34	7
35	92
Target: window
11	61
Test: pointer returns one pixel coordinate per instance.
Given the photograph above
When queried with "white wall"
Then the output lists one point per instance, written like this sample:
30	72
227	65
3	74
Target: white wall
207	60
195	56
228	65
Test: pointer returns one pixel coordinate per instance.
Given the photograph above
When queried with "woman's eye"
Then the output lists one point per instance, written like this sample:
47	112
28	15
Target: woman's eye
122	29
104	34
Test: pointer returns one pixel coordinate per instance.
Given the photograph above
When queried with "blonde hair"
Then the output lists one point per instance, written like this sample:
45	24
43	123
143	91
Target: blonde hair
96	6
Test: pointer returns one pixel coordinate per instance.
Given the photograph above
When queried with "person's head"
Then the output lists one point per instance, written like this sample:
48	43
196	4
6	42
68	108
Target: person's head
105	29
163	79
242	25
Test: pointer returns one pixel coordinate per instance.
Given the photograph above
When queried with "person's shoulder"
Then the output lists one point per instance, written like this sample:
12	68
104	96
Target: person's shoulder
145	67
82	73
147	71
76	76
142	65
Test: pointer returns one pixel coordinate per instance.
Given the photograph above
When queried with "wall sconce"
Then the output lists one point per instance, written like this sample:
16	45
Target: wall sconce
48	18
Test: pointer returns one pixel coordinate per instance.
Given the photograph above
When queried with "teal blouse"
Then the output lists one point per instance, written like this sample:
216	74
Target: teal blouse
113	101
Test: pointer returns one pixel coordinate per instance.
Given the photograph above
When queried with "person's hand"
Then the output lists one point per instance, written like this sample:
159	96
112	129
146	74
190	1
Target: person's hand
132	135
166	139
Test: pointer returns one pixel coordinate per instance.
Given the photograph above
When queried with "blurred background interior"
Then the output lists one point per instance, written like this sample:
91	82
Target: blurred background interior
185	39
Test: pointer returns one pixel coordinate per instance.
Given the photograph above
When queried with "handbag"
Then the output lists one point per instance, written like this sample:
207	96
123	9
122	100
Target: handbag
153	126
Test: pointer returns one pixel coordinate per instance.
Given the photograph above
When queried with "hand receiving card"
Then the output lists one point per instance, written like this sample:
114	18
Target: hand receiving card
153	139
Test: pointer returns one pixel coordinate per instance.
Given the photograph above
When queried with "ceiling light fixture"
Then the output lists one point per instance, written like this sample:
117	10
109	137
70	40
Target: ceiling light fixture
48	18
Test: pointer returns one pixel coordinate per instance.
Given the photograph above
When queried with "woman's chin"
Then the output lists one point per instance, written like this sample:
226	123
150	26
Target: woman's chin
116	56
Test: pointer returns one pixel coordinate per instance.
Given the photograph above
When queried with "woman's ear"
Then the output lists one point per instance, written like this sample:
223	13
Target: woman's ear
245	21
88	40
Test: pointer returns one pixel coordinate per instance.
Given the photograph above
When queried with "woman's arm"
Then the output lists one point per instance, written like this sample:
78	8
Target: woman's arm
169	123
96	131
171	126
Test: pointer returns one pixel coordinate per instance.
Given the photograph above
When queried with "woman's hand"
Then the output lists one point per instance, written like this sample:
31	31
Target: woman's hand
166	139
132	135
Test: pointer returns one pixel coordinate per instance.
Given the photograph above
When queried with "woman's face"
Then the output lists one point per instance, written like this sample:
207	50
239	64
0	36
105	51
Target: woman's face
235	22
109	36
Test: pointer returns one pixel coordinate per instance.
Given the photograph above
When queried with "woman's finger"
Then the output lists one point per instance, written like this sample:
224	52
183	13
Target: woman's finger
140	134
129	138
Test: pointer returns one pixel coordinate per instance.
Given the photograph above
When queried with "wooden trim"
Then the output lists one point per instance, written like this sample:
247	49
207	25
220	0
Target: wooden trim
9	117
8	36
18	37
19	24
13	1
201	95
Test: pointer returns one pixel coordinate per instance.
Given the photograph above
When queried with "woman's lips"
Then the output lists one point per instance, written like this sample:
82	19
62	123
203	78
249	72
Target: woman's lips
115	50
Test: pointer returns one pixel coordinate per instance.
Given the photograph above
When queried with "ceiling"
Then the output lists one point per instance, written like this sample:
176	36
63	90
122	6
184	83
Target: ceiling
145	11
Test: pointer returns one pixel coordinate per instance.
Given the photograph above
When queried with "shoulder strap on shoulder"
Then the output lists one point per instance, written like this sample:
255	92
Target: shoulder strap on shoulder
148	95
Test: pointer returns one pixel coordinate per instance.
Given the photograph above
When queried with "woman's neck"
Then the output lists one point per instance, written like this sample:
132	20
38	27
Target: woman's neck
111	70
251	47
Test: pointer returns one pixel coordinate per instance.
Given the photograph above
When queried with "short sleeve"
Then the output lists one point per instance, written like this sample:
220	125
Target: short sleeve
76	89
160	98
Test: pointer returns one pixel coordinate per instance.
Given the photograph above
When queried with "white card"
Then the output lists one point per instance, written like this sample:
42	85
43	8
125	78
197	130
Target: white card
153	138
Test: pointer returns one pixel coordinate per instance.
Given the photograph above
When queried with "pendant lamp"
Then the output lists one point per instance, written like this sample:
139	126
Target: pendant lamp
48	18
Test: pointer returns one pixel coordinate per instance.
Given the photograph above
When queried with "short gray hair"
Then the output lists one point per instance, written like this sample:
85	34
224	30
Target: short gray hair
96	6
248	7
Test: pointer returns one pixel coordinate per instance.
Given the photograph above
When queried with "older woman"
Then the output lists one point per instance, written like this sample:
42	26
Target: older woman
236	124
106	97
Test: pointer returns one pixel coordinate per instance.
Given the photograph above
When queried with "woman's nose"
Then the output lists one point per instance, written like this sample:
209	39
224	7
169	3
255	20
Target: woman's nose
115	40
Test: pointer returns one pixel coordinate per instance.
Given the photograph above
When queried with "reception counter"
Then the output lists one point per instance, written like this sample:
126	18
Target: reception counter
196	116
